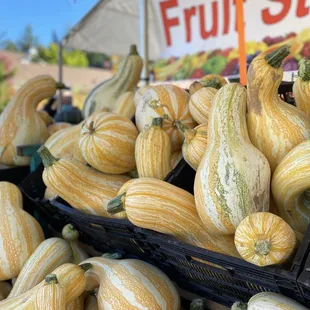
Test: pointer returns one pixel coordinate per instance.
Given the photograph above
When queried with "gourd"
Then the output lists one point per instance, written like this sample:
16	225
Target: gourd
200	104
139	94
195	143
47	119
50	254
274	126
301	87
51	296
233	178
264	239
106	93
213	80
20	122
175	158
82	187
107	143
153	152
290	187
5	288
131	284
91	302
49	194
76	304
169	102
71	235
162	207
70	276
20	233
124	105
57	126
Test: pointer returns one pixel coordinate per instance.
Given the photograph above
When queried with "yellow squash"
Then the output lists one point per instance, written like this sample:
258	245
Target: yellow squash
57	126
76	304
49	194
48	120
124	105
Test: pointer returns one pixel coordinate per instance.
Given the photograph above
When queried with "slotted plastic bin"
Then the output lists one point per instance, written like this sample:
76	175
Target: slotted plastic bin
304	280
14	175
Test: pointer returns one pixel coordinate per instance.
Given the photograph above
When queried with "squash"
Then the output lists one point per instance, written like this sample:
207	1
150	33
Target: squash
213	80
5	288
264	239
20	233
124	105
107	143
153	152
195	143
57	126
51	296
301	87
70	276
49	194
82	187
131	284
139	94
106	93
169	102
20	122
47	119
162	207
200	104
71	235
91	303
274	126
50	254
233	178
76	304
290	187
175	158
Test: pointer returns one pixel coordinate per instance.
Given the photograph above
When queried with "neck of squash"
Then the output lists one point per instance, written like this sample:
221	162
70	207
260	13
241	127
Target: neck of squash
47	158
276	57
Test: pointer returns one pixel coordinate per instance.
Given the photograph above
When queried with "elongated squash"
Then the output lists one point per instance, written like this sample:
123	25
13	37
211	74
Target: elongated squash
49	194
106	93
175	158
50	254
274	126
233	178
169	102
290	187
131	284
76	304
51	296
82	187
124	105
165	208
264	239
57	126
5	288
48	120
20	233
91	302
107	143
153	152
20	122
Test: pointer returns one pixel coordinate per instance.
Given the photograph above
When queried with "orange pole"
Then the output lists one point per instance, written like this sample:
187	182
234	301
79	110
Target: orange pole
241	41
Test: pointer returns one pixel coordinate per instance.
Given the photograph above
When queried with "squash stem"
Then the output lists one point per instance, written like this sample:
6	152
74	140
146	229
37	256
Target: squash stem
214	83
86	266
275	58
157	121
239	306
91	127
188	133
304	70
51	278
112	255
133	50
116	205
69	233
262	247
47	158
60	85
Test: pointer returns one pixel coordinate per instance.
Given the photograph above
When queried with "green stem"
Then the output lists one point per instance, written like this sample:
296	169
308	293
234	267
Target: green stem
51	278
112	255
47	158
262	247
304	70
133	50
91	127
188	133
69	233
157	121
86	266
116	205
276	57
60	85
214	83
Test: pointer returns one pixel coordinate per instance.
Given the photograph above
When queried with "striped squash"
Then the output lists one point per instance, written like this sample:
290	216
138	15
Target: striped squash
91	303
48	120
200	104
195	143
233	178
20	233
76	304
169	102
131	284
175	158
57	126
49	194
153	152
290	187
21	123
162	207
82	187
5	288
274	126
107	143
264	239
124	105
50	254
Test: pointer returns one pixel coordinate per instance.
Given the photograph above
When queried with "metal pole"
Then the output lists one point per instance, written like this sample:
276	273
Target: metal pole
144	44
60	67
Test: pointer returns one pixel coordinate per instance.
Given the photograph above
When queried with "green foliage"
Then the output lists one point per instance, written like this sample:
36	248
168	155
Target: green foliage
27	40
10	46
97	59
6	71
75	58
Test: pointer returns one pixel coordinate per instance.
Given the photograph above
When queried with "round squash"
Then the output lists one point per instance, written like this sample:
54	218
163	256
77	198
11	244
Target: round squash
57	126
139	94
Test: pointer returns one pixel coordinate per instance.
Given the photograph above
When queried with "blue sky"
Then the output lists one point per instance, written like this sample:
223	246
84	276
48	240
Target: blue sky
43	15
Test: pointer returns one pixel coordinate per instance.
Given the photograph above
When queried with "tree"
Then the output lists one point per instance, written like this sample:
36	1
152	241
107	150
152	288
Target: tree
9	46
27	39
55	38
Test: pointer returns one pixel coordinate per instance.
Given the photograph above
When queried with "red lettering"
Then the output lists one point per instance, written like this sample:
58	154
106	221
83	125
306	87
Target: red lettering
189	13
226	16
213	32
302	10
168	22
268	18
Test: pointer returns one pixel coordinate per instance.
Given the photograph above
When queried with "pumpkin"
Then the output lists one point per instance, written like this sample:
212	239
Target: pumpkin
169	102
264	239
5	288
107	143
274	126
124	105
200	104
162	207
131	284
290	187
81	186
195	143
153	152
50	254
175	158
20	233
91	302
233	178
21	123
76	304
57	126
47	119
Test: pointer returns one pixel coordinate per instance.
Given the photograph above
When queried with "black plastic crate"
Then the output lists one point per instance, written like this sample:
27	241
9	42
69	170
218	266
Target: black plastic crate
14	175
304	281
